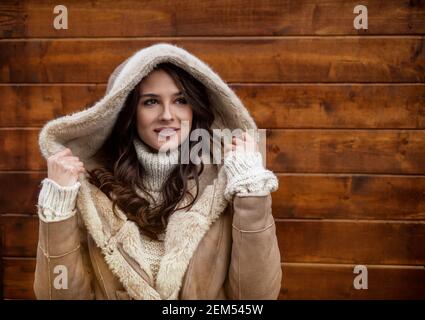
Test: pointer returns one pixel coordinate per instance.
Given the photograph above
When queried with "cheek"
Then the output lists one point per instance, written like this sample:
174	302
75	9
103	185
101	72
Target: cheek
144	125
144	119
186	114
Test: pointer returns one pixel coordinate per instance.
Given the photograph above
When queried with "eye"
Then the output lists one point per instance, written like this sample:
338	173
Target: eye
182	100
147	102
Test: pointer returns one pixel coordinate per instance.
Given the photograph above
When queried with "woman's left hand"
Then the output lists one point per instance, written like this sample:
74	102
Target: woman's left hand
244	144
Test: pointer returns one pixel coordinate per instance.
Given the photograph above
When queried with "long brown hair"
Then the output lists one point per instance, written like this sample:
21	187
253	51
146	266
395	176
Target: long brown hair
120	171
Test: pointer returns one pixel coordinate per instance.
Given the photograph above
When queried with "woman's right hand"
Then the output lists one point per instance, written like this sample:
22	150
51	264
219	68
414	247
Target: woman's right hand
64	168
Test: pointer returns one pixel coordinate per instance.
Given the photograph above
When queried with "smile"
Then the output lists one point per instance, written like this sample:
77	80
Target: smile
166	132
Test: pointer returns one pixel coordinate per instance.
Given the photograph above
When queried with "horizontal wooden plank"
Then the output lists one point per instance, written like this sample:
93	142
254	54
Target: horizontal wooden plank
298	59
34	105
316	281
19	192
16	156
298	196
271	105
349	197
300	281
353	242
299	240
194	18
335	105
18	279
20	235
289	151
346	151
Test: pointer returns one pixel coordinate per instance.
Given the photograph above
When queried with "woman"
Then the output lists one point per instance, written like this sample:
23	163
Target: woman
122	219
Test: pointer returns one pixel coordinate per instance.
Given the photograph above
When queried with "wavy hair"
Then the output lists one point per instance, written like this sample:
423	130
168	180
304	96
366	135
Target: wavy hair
120	171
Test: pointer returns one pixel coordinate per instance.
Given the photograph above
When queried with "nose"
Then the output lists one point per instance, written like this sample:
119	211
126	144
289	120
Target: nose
166	112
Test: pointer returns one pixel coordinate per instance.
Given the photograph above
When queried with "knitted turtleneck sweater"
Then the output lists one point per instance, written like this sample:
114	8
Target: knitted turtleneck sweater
158	166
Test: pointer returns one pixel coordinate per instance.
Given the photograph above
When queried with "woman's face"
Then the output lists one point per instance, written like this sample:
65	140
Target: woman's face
164	117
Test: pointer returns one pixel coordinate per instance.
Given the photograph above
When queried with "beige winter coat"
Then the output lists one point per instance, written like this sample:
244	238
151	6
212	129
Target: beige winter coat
219	249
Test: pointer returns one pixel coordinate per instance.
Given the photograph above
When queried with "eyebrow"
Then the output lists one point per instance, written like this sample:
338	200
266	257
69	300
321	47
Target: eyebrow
155	95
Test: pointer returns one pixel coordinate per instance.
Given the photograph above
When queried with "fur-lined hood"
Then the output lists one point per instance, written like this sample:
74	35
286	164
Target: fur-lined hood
84	133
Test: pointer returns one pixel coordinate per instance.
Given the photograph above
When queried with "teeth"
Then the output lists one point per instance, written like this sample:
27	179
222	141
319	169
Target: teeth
167	132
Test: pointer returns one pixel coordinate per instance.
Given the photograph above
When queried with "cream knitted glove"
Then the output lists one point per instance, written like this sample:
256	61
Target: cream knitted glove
246	173
56	202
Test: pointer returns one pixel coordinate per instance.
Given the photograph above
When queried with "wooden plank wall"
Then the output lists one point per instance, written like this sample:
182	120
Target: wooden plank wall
344	109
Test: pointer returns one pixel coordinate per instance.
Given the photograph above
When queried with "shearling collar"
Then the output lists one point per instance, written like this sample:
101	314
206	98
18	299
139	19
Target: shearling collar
118	238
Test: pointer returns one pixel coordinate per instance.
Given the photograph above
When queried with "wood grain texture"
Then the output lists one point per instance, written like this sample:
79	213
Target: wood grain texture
19	278
328	241
34	105
193	18
318	281
1	263
20	235
298	59
353	242
346	151
336	106
340	196
19	192
302	196
288	150
20	150
274	106
300	281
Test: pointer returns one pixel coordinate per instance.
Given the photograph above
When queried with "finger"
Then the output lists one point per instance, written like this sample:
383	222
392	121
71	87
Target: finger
64	152
70	164
78	170
245	135
248	137
240	144
236	140
78	164
82	169
228	148
248	146
70	158
57	155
